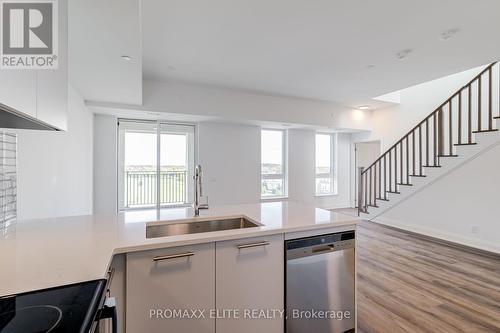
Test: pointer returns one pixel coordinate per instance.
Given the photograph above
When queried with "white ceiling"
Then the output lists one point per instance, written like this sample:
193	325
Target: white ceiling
100	32
317	49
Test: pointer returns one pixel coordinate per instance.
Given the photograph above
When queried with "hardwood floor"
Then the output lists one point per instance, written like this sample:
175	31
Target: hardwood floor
410	284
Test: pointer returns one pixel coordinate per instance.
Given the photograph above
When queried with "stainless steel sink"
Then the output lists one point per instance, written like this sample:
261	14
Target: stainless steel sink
182	228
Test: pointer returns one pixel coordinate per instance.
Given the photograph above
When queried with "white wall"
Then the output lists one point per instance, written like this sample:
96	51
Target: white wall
463	206
105	164
55	168
230	157
301	161
390	124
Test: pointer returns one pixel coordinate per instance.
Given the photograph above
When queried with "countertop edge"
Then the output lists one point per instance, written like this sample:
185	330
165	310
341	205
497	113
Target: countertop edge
218	236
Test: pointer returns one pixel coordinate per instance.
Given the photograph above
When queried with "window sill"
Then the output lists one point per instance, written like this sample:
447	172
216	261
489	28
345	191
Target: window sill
271	199
326	195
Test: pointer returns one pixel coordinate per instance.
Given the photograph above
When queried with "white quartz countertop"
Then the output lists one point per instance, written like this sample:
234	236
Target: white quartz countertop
44	253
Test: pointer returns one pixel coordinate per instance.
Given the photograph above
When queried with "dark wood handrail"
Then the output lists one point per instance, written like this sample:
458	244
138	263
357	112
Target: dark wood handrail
431	114
431	139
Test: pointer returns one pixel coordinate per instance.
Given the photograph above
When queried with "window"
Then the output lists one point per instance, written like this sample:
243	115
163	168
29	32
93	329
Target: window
325	170
273	164
155	164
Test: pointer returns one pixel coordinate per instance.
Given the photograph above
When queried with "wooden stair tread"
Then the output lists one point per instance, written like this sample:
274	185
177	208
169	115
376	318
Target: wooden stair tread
485	131
465	144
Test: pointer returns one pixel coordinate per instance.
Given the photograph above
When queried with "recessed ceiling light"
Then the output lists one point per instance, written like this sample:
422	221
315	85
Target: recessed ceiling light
448	34
363	107
126	57
403	54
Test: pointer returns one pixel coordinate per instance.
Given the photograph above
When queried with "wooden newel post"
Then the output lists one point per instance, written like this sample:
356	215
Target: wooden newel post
360	190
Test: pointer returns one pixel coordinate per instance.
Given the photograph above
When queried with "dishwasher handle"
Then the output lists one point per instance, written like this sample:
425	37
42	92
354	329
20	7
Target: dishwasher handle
326	248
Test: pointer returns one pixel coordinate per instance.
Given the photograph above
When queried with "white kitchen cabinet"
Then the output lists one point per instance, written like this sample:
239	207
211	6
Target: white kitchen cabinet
250	276
52	85
18	90
160	281
41	94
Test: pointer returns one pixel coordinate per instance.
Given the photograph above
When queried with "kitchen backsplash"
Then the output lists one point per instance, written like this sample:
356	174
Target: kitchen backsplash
8	178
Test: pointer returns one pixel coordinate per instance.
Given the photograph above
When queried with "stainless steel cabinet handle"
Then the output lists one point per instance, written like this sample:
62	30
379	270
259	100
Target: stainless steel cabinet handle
246	246
173	256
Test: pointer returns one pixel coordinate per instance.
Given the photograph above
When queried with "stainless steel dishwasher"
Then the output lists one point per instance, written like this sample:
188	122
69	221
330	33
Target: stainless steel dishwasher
320	284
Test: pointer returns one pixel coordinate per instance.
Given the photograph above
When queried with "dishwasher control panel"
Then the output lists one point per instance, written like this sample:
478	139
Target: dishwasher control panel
298	248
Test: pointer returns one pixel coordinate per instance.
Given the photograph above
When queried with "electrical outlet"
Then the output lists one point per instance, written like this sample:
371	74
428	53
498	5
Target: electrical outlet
474	229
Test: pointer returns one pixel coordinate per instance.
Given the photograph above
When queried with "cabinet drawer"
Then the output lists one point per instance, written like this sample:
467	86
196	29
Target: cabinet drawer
160	281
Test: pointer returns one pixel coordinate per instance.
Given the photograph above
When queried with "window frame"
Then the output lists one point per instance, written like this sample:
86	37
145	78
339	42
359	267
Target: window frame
284	162
332	175
160	124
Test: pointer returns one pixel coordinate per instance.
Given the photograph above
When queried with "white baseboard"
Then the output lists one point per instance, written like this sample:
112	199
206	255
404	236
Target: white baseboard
440	234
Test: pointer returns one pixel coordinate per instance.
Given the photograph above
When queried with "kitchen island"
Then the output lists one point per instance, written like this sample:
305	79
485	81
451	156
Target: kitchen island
44	253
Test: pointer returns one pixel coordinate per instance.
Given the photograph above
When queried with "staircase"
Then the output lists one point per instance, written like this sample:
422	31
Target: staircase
461	128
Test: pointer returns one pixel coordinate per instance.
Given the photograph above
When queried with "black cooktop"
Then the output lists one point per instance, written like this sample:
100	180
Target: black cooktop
70	308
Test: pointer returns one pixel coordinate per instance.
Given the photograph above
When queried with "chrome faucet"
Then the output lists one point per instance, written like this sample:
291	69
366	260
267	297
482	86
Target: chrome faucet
198	191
